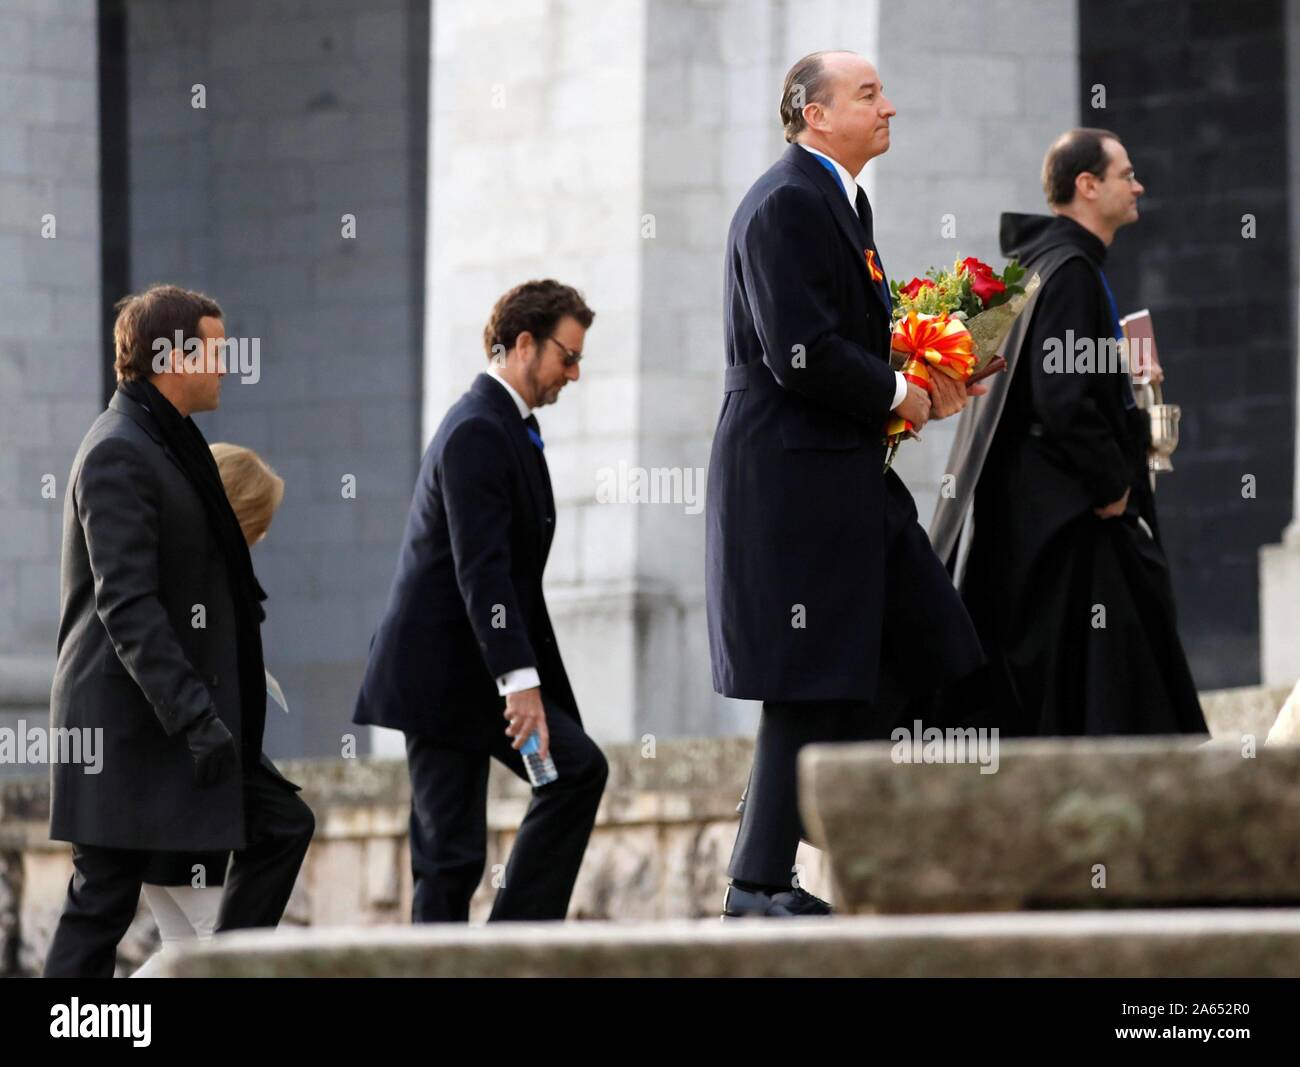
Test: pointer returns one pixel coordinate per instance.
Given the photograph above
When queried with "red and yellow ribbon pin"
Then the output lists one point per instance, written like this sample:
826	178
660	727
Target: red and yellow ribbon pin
877	275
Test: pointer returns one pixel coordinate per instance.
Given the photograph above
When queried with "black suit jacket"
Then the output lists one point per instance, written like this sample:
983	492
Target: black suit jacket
138	556
466	604
809	547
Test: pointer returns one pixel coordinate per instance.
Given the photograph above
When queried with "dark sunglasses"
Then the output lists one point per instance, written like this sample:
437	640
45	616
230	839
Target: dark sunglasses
571	358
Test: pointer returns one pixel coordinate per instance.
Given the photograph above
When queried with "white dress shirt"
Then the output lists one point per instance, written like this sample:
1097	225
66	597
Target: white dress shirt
850	187
847	181
523	677
524	410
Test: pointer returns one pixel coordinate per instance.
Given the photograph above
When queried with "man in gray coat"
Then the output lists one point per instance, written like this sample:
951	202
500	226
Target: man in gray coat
159	647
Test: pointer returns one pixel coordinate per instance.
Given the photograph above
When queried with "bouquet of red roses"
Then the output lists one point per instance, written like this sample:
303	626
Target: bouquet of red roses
953	322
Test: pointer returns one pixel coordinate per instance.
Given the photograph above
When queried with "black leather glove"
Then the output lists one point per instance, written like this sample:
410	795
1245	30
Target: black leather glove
212	748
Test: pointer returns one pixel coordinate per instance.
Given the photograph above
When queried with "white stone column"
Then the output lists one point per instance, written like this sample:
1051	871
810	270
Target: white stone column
607	145
536	170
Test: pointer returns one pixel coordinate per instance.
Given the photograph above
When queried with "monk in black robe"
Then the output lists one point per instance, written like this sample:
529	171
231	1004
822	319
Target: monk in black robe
1050	529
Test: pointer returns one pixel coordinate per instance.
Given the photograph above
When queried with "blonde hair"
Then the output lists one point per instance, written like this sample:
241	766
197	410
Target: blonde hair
254	489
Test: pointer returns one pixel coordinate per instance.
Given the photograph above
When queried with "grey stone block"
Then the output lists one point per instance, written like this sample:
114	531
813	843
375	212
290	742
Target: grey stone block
368	276
27	528
18	53
13	146
349	184
382	522
30	97
381	33
1232	713
1073	823
63	45
65	262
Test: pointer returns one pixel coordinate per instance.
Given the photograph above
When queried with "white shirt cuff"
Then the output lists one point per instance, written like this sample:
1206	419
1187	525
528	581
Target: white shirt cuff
514	681
900	391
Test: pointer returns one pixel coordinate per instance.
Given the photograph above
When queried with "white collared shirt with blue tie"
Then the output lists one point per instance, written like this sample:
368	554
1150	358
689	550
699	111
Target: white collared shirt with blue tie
523	677
851	187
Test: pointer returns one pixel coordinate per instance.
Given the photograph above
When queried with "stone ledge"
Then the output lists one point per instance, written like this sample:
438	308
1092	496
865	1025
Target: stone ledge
1168	822
1132	944
1249	710
703	763
656	852
688	780
700	763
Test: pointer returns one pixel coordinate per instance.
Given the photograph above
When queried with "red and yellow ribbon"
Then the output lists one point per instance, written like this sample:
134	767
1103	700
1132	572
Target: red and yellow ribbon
877	275
931	341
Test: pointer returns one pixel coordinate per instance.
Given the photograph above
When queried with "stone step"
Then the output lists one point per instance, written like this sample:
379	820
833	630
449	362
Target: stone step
1060	824
1215	943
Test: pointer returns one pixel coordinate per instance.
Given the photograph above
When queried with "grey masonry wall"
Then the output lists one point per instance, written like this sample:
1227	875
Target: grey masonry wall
981	89
606	144
313	111
1199	94
1279	564
49	317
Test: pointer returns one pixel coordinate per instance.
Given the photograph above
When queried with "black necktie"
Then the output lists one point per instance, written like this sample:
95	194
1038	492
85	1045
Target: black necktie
864	217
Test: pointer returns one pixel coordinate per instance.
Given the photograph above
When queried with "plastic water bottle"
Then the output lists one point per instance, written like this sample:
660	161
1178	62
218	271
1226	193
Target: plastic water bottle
540	771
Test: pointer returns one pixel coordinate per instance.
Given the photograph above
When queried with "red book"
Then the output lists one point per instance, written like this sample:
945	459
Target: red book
1141	337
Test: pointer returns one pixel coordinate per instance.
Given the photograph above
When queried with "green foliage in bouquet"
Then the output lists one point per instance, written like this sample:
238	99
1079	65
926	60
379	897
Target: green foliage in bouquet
963	291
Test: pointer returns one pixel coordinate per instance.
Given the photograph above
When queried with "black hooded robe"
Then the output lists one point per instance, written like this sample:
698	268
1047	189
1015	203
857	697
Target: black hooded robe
1075	612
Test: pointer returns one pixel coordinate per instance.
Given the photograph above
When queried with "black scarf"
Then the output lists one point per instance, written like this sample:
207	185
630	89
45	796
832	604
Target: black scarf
191	450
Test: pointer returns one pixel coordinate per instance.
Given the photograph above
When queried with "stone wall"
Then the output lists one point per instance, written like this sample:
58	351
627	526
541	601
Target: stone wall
50	340
660	848
1199	93
312	112
662	840
608	145
1279	564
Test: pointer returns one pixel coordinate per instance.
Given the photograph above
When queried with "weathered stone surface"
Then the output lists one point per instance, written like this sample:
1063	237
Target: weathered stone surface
1078	823
659	850
11	894
1215	943
44	881
336	882
25	812
625	877
1231	713
383	878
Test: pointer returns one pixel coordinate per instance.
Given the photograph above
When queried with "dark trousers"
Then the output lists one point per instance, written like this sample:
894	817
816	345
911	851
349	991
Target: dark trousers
449	825
770	824
105	887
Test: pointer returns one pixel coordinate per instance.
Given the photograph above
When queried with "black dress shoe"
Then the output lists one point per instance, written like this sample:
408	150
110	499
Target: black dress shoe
740	903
